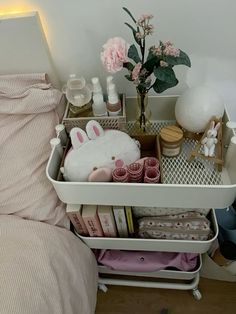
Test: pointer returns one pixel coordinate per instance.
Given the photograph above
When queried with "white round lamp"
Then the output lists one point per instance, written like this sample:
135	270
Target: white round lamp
195	108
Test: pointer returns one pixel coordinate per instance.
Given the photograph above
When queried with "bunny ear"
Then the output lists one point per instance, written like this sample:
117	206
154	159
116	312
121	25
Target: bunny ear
212	124
78	137
94	129
217	126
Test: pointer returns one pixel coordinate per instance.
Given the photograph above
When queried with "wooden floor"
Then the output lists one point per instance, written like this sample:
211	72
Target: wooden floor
217	298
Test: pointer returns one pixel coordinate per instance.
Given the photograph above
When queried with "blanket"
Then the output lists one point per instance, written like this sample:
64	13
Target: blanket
44	269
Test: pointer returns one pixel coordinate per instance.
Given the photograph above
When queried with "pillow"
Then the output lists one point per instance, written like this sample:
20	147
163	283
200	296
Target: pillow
28	117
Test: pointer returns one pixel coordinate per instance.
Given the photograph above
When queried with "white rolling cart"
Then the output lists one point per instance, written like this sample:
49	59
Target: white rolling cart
185	185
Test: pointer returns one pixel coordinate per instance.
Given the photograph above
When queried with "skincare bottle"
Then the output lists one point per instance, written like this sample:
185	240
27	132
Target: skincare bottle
97	89
99	106
109	82
114	103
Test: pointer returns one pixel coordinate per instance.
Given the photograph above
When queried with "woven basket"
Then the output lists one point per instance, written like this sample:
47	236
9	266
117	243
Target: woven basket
113	122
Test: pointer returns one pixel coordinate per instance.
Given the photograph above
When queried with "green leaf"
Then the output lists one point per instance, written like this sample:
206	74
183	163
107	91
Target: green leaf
134	33
131	27
128	65
182	59
160	86
127	11
150	64
133	54
129	78
165	74
150	54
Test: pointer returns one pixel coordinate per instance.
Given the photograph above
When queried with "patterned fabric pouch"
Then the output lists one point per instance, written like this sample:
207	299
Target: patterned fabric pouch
185	226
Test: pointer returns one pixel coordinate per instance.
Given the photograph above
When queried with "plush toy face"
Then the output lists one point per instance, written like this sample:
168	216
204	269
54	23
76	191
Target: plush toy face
98	149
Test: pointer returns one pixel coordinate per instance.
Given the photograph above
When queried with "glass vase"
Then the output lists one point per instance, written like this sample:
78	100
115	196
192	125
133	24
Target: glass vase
143	112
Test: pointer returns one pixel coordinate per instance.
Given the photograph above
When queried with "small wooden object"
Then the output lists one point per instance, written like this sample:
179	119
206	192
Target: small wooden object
171	138
218	156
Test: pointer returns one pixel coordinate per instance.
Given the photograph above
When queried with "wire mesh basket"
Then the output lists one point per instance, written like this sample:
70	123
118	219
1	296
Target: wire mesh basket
107	122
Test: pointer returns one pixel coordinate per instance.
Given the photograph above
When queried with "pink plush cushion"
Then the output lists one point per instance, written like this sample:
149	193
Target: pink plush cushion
27	119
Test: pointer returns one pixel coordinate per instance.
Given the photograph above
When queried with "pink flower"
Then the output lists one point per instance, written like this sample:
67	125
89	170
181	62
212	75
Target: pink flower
170	50
114	54
144	19
136	70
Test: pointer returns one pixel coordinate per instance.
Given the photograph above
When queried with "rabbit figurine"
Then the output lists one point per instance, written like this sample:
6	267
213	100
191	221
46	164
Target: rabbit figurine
210	140
96	152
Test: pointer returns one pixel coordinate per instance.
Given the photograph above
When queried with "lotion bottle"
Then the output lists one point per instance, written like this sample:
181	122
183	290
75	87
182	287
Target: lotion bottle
99	106
97	89
114	103
109	82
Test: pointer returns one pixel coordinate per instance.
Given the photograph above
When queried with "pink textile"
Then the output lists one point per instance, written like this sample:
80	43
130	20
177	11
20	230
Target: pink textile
28	117
142	261
27	94
44	269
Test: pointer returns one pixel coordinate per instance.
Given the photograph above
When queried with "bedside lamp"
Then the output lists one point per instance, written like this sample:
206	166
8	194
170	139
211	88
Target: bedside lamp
195	108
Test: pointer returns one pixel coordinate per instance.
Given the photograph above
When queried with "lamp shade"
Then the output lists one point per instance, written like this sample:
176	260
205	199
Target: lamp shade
195	108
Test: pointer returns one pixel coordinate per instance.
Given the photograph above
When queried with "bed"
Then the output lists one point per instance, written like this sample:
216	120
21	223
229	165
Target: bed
44	267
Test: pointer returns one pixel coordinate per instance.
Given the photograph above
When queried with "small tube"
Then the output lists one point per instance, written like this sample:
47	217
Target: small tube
61	133
56	143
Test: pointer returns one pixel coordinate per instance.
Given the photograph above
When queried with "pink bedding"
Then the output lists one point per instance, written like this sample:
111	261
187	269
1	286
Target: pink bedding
28	115
44	269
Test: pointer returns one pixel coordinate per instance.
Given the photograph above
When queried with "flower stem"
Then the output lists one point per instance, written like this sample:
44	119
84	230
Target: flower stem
142	120
143	51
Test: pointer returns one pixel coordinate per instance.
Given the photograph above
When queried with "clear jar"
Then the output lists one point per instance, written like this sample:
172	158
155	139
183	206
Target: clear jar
171	138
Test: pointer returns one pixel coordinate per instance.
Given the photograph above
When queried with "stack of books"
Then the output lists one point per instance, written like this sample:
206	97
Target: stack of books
102	220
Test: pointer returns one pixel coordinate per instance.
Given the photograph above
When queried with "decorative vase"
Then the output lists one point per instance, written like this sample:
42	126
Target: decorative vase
143	112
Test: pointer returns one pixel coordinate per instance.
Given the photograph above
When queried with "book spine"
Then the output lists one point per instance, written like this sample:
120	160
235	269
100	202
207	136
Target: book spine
108	224
93	225
119	214
78	222
129	218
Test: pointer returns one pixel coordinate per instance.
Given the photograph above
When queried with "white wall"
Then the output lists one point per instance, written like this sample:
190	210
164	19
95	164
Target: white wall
77	29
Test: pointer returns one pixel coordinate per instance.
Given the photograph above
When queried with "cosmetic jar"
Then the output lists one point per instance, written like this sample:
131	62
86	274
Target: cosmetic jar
171	138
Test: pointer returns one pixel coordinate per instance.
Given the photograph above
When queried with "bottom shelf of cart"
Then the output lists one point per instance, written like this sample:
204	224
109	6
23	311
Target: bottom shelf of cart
165	273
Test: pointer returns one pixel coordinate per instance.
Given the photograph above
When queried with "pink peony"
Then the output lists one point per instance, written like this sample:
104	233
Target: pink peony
136	70
114	54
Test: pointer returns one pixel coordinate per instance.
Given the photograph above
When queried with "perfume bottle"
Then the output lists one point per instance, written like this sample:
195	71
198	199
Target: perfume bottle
113	103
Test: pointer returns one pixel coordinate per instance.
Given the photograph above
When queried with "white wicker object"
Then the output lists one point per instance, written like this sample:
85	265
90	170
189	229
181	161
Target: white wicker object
107	122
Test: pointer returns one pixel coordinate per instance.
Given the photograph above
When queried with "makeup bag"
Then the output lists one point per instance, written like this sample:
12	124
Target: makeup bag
185	226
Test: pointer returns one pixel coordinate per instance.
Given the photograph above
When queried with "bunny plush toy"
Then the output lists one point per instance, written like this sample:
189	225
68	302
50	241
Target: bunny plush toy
96	152
210	140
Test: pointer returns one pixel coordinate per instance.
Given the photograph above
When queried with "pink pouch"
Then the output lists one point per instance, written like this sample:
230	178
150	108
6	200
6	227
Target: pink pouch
145	261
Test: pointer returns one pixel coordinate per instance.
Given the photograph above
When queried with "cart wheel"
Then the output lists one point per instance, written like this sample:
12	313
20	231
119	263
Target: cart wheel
102	287
197	294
